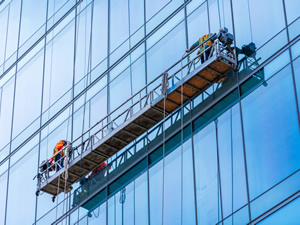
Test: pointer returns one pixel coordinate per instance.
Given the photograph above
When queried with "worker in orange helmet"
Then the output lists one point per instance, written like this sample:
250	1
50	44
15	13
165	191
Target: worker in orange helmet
58	154
204	44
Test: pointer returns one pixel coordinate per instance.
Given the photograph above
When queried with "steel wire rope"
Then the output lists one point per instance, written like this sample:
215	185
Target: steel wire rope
58	184
49	100
98	212
164	89
87	78
231	149
223	13
66	160
50	88
163	166
219	14
250	23
181	130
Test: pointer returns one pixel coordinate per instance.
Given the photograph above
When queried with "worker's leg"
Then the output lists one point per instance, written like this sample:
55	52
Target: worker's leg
207	53
58	161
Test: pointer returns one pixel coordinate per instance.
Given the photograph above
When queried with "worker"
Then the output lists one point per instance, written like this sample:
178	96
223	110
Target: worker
94	172
58	154
97	170
202	47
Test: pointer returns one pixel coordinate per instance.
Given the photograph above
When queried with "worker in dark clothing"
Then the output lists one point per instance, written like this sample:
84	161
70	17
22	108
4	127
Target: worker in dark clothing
58	154
203	45
96	170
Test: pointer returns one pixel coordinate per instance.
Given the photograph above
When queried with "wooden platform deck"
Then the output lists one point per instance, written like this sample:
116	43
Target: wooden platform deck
211	71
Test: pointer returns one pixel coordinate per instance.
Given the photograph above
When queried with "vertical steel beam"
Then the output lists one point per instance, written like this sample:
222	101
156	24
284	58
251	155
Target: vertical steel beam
292	65
219	171
12	116
194	171
41	111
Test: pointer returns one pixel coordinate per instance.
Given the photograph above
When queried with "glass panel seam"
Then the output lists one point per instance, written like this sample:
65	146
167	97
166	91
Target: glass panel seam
194	173
40	39
292	64
244	150
219	171
14	98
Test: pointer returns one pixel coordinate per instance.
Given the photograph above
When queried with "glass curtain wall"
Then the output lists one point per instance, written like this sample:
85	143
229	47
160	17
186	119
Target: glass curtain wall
62	67
217	176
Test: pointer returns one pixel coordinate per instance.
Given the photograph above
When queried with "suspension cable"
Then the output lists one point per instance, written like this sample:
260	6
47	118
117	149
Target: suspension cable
219	14
231	149
223	13
181	135
66	159
163	167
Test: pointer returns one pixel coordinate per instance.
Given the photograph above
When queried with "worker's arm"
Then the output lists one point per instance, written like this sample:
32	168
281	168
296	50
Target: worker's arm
195	45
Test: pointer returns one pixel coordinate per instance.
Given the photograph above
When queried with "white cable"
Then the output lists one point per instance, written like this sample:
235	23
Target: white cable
181	130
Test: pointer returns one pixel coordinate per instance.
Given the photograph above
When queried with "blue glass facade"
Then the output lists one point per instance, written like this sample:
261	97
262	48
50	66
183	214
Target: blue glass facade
226	158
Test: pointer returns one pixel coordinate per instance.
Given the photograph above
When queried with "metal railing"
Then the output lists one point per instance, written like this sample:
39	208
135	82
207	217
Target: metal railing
127	157
144	100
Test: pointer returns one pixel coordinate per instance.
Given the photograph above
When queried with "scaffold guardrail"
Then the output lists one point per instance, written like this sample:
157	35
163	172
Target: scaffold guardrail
146	109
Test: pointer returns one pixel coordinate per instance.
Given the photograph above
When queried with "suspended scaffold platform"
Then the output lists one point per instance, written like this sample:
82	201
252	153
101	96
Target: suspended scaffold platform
182	81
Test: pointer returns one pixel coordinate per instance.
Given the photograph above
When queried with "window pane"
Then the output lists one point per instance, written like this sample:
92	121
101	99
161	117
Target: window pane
206	169
194	30
172	188
59	67
127	204
248	17
141	200
152	7
98	215
220	15
32	20
3	28
28	93
232	167
138	74
241	22
188	196
296	65
155	185
3	188
240	217
111	211
83	32
6	103
158	10
295	50
136	15
289	214
119	28
120	89
273	124
99	38
163	54
193	5
292	12
13	30
273	19
274	196
21	192
98	110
